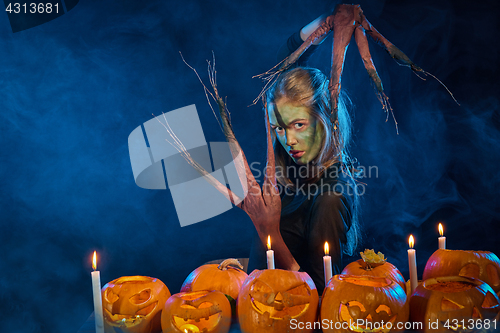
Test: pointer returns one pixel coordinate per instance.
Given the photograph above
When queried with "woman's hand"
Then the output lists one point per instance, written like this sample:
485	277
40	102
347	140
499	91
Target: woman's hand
262	204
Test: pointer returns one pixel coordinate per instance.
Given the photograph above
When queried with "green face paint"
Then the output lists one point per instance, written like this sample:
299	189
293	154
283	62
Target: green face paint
299	133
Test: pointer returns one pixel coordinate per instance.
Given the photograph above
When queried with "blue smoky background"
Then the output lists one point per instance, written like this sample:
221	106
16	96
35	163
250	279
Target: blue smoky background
74	88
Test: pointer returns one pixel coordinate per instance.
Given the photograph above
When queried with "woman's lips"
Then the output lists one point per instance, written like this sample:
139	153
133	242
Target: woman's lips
297	153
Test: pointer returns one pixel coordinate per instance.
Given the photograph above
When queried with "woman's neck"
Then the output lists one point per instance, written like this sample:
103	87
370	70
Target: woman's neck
304	173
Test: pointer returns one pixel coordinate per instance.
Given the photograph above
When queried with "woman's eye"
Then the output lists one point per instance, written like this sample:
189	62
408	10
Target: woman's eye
299	125
279	129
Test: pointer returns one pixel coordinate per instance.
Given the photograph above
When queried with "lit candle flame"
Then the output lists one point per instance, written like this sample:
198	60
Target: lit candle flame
411	241
269	242
440	229
94	261
327	249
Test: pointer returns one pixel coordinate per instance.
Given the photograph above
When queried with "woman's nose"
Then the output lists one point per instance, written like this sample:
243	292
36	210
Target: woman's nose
290	139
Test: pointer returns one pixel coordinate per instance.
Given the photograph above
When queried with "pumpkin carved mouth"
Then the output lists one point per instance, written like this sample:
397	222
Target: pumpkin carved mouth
120	320
196	314
354	310
284	305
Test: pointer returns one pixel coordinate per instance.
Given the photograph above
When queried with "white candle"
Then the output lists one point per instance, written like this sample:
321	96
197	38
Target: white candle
270	254
327	265
96	289
412	260
442	239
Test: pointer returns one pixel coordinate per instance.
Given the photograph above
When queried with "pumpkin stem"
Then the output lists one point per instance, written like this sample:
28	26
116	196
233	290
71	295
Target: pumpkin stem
231	261
372	259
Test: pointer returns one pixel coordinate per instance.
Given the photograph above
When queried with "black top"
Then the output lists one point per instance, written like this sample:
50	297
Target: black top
312	214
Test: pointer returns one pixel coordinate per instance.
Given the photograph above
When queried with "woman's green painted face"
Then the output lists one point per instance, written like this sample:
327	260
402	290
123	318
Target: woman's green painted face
298	131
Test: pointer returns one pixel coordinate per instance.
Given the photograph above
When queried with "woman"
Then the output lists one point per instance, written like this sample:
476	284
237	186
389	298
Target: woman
318	197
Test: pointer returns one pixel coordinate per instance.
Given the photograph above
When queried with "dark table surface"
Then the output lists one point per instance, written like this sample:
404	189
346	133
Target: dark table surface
89	326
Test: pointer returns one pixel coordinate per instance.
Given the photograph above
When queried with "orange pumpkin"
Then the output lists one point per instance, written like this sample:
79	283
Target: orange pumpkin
223	278
275	300
354	303
481	265
197	311
378	269
133	304
444	303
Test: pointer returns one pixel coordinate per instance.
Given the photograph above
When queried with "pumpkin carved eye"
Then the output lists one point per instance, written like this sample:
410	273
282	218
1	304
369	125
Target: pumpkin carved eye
261	287
110	296
490	301
354	308
470	270
383	312
141	297
383	307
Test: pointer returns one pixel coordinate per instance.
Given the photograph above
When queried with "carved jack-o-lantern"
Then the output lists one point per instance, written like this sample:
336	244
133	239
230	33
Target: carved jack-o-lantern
271	298
354	303
481	265
453	301
133	304
197	311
